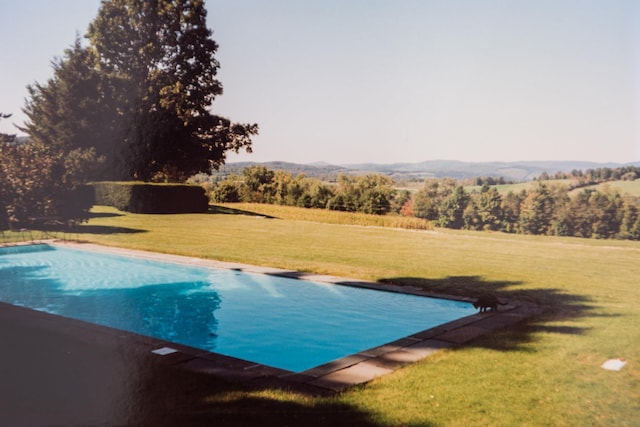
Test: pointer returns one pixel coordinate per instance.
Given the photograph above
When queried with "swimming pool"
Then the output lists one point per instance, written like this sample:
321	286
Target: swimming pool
276	321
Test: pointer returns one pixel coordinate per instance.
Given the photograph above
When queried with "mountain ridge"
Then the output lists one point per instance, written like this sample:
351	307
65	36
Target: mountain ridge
525	170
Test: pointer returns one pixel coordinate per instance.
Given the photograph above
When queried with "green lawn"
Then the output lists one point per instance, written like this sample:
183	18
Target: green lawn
543	373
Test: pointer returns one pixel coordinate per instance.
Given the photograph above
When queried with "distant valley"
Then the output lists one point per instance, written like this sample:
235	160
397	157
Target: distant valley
510	171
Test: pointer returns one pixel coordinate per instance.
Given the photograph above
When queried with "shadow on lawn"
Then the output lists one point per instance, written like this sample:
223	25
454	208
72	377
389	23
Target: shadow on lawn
55	227
72	376
87	229
164	395
169	397
104	214
215	209
106	229
549	306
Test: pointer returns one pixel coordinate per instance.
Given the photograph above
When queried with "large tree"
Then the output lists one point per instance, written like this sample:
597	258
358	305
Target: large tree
73	115
537	211
452	208
149	79
427	201
489	204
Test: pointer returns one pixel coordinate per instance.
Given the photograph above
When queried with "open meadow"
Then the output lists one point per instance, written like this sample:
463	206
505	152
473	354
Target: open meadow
546	372
631	188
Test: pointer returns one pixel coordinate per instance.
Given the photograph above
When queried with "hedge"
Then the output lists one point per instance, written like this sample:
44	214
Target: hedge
140	197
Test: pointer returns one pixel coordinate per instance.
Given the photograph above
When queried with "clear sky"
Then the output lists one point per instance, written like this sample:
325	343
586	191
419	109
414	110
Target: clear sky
351	81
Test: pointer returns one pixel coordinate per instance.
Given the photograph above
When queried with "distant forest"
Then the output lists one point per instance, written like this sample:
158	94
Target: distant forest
547	208
521	171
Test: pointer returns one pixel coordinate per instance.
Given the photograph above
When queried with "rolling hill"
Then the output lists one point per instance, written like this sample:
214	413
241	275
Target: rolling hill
512	171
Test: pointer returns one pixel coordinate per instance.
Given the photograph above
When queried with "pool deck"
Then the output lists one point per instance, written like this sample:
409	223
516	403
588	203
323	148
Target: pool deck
48	353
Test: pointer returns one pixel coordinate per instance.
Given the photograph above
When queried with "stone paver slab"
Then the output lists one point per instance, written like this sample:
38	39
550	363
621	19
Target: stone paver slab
386	348
356	374
338	364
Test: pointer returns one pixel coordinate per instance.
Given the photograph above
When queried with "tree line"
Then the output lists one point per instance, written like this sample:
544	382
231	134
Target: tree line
545	209
372	193
578	178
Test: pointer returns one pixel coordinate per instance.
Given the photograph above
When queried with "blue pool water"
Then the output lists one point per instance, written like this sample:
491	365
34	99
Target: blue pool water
281	322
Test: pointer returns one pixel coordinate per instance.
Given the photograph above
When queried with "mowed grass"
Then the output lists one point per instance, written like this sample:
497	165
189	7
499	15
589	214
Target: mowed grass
545	372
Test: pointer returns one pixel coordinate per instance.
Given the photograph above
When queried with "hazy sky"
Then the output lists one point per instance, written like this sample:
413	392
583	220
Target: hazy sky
350	81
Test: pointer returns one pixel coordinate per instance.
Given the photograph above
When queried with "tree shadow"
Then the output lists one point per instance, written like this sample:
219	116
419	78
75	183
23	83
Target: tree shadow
544	307
105	229
104	214
224	210
51	227
54	230
170	396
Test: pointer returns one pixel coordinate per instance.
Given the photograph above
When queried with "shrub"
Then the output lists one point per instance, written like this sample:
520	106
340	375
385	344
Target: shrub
139	197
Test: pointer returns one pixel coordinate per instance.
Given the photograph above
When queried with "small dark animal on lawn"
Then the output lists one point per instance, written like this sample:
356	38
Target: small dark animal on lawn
488	302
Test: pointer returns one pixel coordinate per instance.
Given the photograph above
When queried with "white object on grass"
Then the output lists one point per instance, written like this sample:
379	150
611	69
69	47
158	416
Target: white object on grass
614	364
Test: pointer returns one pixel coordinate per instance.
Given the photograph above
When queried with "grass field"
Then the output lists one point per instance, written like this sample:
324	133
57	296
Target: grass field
625	187
631	188
543	373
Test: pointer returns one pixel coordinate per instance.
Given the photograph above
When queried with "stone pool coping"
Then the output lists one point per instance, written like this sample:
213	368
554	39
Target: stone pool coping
335	376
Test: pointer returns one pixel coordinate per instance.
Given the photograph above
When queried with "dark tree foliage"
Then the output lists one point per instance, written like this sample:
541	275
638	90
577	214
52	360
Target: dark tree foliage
34	183
72	115
5	140
139	95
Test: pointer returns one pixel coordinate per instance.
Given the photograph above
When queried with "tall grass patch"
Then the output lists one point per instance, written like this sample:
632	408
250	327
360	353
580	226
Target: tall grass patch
332	217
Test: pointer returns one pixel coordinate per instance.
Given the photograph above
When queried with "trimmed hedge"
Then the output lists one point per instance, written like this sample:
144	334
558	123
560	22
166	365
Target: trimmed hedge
138	197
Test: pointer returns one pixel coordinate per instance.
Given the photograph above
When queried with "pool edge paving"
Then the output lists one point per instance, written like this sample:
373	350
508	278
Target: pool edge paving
325	379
